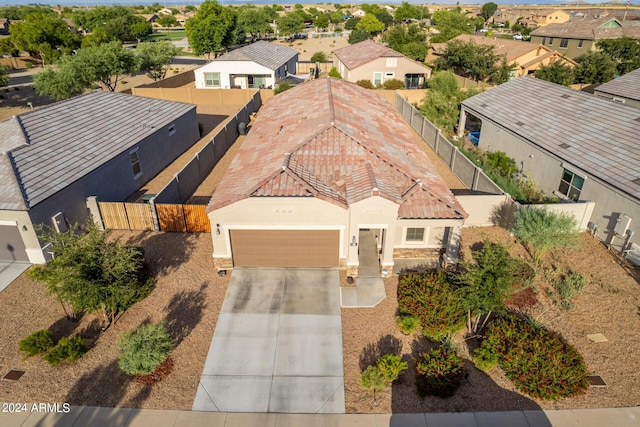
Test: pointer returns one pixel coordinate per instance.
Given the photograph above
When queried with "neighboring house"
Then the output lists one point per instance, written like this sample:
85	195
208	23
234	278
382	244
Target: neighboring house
149	18
527	56
258	65
571	144
359	13
538	18
369	60
4	26
326	165
579	35
100	144
624	89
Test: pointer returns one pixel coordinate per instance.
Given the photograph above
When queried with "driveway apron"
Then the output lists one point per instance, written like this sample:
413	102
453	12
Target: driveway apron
277	346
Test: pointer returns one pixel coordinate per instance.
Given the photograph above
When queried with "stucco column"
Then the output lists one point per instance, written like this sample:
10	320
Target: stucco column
452	248
462	122
386	257
353	260
94	210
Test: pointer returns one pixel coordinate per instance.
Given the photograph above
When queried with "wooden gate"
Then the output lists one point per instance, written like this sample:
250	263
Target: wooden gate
171	217
114	215
196	219
139	215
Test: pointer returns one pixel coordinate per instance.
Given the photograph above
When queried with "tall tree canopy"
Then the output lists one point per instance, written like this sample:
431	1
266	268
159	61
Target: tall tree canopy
558	73
488	9
102	65
409	40
370	24
44	35
155	58
479	62
254	21
212	29
452	23
118	22
624	51
290	23
594	67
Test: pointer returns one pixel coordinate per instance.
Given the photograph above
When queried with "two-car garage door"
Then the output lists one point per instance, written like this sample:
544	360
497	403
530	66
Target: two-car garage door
285	248
12	247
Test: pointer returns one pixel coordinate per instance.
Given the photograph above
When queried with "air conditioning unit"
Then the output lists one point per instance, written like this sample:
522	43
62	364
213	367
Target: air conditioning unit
623	225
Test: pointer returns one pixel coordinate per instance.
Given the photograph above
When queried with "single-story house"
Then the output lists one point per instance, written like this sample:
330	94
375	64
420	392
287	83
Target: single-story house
258	65
369	60
326	165
527	56
574	145
99	144
624	89
579	35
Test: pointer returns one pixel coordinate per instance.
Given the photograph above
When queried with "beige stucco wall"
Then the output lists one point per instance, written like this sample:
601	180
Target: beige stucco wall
365	72
482	208
375	213
556	17
198	96
25	227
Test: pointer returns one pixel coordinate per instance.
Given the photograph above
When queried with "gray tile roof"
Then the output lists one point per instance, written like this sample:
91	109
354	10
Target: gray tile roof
261	52
627	86
602	136
65	141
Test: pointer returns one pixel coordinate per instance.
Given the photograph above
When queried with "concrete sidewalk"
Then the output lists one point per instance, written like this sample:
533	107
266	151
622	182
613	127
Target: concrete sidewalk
80	416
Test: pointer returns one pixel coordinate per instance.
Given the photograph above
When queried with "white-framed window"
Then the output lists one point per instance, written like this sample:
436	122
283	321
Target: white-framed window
570	185
172	129
212	79
392	62
377	78
564	43
135	163
414	234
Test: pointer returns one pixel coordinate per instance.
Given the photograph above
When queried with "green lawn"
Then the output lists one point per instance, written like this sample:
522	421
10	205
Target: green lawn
167	35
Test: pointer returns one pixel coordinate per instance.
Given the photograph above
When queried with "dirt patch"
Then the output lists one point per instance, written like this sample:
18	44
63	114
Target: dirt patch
306	48
188	296
609	304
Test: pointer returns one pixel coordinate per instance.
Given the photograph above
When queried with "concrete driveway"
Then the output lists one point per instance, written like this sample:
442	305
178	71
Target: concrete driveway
277	346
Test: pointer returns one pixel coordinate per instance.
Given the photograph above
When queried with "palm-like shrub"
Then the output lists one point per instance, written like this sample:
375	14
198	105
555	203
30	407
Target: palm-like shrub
36	343
143	349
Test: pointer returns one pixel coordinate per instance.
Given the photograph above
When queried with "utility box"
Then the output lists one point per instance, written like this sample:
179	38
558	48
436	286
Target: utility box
623	225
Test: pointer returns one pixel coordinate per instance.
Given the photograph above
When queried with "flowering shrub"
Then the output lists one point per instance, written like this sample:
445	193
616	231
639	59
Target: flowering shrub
539	362
439	372
434	301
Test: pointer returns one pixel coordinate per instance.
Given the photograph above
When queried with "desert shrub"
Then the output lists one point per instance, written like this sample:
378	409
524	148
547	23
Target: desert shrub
484	359
501	163
539	362
566	288
365	84
333	72
434	301
439	372
37	343
373	380
319	57
407	323
281	87
393	84
391	366
143	349
523	273
28	64
68	350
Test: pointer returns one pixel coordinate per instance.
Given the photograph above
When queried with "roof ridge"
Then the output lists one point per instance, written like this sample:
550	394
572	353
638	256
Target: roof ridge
16	176
332	113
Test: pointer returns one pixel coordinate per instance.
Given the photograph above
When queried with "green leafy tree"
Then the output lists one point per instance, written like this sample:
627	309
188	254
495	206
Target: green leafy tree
44	35
351	23
558	73
255	21
406	11
212	29
370	23
471	60
290	23
488	9
594	67
357	36
486	283
155	58
383	16
408	40
7	47
167	21
95	38
282	87
144	349
4	76
319	57
541	230
140	30
624	51
442	104
452	23
391	366
321	21
91	272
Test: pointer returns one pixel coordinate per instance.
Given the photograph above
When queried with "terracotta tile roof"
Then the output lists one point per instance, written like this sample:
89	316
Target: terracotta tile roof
336	141
356	55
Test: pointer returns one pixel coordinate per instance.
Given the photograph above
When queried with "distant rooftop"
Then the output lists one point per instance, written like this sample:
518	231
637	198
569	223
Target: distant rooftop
627	86
594	134
269	55
358	54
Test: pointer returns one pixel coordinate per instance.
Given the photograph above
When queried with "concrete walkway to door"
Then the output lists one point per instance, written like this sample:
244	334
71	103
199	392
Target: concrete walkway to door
277	346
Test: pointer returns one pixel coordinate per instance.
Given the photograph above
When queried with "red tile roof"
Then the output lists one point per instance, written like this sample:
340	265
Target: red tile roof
336	141
355	55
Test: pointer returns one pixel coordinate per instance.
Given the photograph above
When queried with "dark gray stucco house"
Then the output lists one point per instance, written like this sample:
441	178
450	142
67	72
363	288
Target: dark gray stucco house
625	89
99	144
572	144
